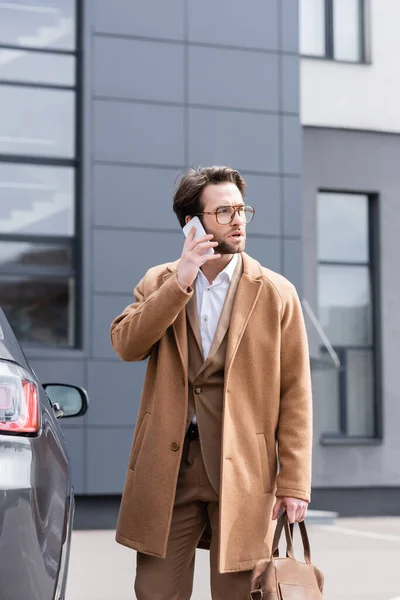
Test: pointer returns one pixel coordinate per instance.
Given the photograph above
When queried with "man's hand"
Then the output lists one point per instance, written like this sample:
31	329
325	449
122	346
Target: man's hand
192	258
296	509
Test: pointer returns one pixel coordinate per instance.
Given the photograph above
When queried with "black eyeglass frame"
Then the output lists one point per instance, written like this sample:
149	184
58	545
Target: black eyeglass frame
236	209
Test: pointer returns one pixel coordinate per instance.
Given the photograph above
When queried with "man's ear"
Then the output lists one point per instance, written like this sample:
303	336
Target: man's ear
187	219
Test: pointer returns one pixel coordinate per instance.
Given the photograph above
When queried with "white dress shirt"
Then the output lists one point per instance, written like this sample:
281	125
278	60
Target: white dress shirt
210	301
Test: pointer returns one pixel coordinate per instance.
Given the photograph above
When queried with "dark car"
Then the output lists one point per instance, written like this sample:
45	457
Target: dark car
36	496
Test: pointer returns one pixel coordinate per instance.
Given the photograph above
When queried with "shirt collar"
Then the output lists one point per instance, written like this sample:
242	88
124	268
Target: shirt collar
226	273
231	266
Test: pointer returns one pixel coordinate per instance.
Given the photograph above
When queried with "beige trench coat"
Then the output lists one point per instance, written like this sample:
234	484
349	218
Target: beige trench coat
267	411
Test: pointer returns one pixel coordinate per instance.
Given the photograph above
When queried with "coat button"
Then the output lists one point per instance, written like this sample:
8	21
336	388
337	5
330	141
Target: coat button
175	446
197	390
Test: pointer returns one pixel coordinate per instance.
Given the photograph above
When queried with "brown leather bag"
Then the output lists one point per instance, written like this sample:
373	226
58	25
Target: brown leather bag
286	578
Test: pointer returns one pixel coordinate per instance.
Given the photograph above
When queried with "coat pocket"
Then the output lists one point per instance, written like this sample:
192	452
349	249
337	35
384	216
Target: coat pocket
266	475
138	442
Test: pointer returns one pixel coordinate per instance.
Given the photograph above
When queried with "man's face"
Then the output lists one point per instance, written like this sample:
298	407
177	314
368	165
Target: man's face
231	238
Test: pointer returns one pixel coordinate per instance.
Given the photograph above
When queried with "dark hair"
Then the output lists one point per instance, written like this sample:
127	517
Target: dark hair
187	197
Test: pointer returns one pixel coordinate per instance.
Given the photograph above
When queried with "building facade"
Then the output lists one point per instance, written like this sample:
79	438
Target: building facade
351	244
107	103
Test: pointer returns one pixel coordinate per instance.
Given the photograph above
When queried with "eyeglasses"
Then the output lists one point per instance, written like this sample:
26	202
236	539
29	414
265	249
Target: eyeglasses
226	214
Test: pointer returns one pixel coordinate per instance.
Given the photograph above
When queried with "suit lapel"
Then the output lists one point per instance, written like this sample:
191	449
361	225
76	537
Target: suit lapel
247	294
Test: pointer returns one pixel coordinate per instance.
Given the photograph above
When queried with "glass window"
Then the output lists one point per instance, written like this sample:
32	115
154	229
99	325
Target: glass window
37	67
36	200
39	122
332	29
49	24
344	297
21	255
346	311
38	166
346	30
40	310
312	27
325	384
343	227
360	393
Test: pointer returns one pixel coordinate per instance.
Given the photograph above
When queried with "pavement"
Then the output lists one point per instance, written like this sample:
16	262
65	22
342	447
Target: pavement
360	559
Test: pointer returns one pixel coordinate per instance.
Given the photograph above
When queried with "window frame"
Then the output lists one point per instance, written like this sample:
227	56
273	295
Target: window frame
373	264
75	163
329	36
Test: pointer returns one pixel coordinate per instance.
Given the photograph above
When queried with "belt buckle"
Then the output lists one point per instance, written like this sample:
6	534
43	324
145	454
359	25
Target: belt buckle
193	431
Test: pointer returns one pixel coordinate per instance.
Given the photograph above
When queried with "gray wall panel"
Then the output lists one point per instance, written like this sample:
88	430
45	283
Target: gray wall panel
266	250
292	206
108	455
115	389
59	371
126	197
292	263
122	258
292	142
233	78
253	25
119	71
289	25
290	84
264	193
142	133
105	309
76	452
242	140
148	18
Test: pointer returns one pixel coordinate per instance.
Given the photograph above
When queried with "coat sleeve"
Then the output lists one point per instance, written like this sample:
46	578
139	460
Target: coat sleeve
143	323
294	434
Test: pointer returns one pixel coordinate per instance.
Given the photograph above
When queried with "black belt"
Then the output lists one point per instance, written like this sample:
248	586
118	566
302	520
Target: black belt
193	432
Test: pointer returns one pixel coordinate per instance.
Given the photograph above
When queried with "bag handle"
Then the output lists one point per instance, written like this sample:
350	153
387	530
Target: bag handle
283	522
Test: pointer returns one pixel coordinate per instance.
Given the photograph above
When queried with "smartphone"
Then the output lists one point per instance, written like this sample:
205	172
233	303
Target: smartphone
200	231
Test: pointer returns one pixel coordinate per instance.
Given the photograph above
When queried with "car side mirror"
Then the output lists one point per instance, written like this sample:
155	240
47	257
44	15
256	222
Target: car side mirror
67	400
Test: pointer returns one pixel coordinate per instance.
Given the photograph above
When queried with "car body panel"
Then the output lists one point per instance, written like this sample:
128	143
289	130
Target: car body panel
36	500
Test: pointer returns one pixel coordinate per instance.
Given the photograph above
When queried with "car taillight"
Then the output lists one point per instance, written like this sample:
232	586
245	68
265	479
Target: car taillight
19	400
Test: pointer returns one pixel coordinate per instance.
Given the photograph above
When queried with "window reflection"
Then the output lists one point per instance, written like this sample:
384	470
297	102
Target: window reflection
345	304
37	67
41	25
26	255
343	227
346	30
312	27
360	392
39	311
39	121
36	200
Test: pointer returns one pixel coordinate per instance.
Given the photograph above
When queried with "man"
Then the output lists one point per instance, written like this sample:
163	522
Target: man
226	396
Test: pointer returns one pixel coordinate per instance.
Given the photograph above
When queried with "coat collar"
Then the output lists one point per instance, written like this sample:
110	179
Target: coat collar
251	267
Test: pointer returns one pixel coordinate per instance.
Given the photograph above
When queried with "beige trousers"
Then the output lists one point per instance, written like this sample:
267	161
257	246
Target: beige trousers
196	504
